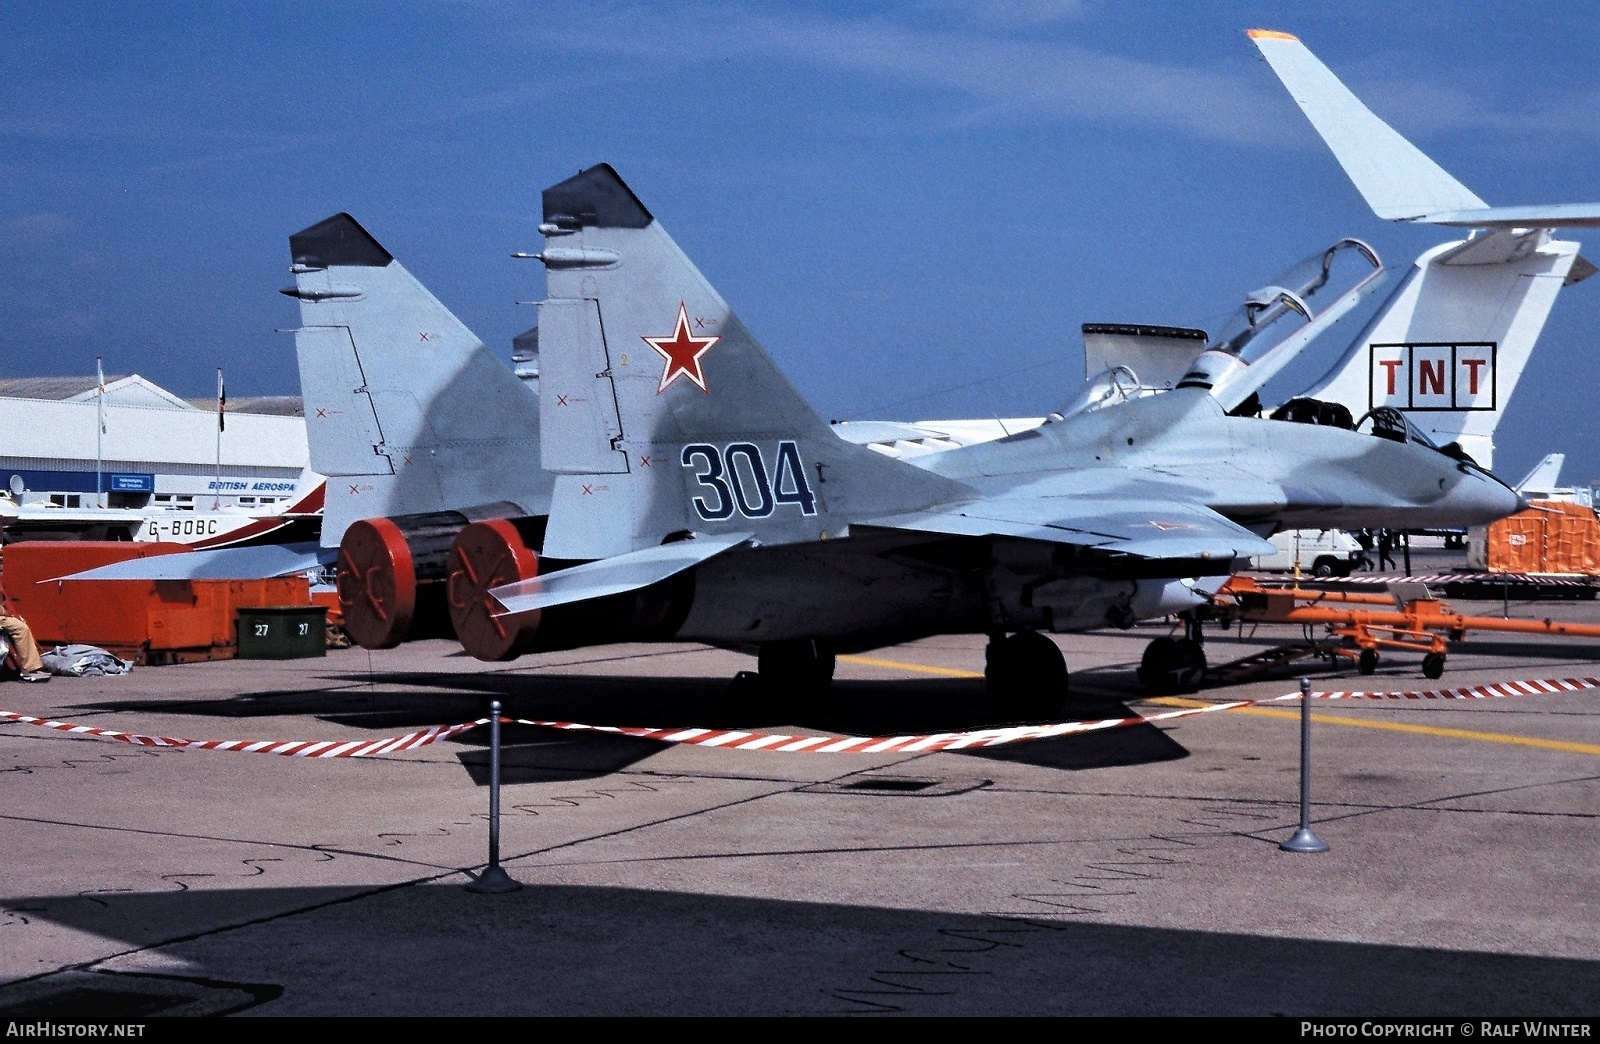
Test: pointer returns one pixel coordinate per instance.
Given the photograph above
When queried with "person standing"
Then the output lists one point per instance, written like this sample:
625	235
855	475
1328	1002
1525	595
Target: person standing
1364	538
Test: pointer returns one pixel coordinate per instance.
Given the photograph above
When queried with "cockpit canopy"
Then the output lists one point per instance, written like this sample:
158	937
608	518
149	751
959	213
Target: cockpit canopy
1107	388
1386	422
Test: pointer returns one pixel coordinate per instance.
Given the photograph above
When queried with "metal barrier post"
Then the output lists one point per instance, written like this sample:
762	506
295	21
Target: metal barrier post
494	879
1304	839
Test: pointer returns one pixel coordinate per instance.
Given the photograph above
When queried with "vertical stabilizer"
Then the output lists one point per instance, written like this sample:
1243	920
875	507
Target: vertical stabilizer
663	415
1451	343
1545	476
406	410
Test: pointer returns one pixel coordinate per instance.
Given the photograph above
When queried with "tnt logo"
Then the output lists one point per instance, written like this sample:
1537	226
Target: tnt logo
1433	376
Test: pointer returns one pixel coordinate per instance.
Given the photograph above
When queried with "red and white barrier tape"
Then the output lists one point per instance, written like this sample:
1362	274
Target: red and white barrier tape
780	743
294	749
1498	690
1435	579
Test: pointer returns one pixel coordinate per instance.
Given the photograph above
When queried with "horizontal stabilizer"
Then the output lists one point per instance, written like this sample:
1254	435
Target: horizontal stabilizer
1397	180
1553	215
1146	528
609	576
229	563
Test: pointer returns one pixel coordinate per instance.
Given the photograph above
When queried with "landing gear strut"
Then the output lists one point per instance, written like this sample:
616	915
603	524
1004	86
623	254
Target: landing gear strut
1026	677
1172	665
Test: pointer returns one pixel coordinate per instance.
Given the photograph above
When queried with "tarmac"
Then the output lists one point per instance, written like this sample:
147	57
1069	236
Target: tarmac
1132	870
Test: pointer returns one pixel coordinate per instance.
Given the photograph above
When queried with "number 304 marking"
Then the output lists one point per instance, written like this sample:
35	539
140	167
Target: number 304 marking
737	475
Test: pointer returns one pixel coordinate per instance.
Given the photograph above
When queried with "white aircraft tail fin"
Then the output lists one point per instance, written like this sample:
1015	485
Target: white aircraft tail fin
663	416
1545	476
406	411
1450	344
1398	181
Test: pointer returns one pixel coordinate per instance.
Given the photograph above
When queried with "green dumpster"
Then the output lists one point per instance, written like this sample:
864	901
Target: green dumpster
283	632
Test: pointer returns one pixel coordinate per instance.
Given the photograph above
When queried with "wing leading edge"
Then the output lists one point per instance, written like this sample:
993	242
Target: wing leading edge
1155	529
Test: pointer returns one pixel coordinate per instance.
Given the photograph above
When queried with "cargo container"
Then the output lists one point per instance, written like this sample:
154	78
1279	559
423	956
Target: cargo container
145	621
1550	537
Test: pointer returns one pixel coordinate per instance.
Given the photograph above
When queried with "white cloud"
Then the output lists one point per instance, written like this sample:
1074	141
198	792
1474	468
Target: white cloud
36	229
1006	75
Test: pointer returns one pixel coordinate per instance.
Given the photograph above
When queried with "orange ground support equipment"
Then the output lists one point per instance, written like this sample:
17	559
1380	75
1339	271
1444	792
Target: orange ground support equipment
145	621
1549	537
1415	621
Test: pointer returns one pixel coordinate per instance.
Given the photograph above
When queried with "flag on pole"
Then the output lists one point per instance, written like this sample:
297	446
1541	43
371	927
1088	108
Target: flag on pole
222	402
100	371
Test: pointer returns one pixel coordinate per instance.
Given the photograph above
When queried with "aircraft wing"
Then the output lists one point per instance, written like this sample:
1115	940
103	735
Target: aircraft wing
1148	528
608	576
228	563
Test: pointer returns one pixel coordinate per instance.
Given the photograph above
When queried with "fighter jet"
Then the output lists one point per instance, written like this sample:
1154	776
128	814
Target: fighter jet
695	485
734	516
668	482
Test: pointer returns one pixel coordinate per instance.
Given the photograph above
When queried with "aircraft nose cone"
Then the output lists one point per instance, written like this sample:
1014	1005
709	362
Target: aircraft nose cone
1484	498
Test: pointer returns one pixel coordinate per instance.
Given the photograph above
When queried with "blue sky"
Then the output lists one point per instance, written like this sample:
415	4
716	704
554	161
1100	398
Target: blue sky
914	206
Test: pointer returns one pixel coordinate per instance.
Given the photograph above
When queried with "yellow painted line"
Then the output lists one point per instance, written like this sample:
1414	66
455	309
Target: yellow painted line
1273	712
1395	726
917	668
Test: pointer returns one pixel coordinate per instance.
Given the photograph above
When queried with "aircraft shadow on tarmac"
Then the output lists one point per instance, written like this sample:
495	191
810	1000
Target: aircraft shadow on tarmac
572	949
390	702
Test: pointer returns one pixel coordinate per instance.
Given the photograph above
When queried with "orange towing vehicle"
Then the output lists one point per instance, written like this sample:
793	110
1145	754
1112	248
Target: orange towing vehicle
1411	619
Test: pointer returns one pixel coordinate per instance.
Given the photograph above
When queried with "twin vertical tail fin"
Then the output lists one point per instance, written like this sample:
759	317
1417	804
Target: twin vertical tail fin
662	415
406	411
1451	343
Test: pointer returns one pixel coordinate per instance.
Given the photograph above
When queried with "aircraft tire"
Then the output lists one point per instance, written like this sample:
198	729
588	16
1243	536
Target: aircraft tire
1026	677
1172	665
798	667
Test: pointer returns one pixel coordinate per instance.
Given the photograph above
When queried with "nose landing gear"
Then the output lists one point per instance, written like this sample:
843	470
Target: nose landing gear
1175	665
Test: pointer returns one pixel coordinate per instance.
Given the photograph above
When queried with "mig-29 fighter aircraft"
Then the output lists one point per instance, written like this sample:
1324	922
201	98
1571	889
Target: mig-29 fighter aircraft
1047	530
667	482
695	485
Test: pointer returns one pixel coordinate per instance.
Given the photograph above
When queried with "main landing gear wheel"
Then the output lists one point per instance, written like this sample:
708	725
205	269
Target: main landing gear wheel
800	667
1433	665
1367	663
1173	665
1026	677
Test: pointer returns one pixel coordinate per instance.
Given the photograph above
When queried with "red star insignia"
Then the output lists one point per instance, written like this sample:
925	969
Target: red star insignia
682	351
